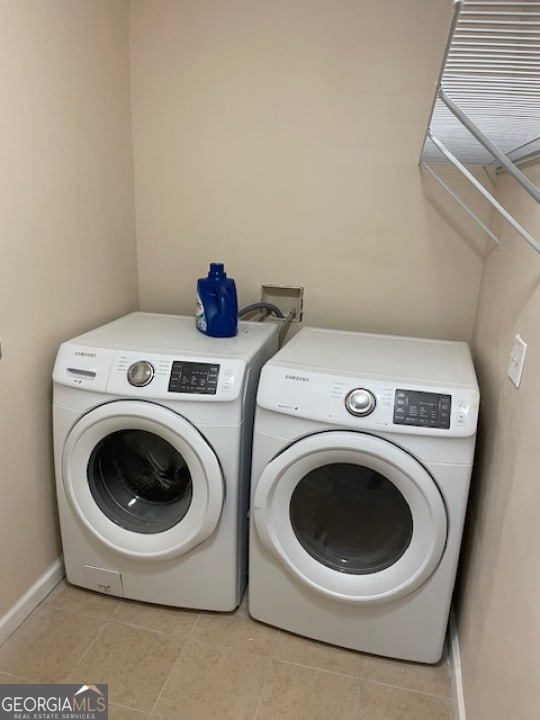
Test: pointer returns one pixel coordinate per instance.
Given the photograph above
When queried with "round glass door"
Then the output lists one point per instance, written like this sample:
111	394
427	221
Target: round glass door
351	518
351	515
142	479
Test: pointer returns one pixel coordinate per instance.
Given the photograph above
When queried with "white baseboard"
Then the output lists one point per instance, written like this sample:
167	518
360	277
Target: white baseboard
31	599
455	665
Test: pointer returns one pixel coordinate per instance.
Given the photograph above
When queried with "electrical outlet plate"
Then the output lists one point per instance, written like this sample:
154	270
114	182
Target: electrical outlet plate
517	360
286	297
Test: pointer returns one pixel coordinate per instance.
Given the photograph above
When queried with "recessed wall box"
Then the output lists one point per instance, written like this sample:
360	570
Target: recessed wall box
286	297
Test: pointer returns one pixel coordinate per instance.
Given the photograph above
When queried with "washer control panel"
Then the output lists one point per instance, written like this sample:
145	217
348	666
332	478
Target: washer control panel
152	376
194	378
422	409
157	377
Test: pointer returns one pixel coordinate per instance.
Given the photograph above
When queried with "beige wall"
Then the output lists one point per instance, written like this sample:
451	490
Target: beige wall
499	607
283	139
67	244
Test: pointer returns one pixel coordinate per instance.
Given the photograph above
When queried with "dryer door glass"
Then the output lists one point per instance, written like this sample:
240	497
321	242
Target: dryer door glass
351	518
140	481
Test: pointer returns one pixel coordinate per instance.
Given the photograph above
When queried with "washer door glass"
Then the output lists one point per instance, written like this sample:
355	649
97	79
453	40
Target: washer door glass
350	515
351	518
140	481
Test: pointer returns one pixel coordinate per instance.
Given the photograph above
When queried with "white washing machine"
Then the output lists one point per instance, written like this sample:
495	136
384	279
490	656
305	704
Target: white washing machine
362	456
152	439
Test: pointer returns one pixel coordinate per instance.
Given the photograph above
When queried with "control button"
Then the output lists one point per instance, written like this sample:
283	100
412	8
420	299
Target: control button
227	384
461	418
140	373
360	402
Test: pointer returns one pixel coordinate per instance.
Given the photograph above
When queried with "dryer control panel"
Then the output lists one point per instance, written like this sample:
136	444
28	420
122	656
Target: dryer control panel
370	404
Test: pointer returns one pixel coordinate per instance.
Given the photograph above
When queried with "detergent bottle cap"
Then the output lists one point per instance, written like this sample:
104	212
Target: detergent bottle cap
217	270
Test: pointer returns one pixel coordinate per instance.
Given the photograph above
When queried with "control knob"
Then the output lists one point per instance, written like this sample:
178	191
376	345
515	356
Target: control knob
360	402
140	373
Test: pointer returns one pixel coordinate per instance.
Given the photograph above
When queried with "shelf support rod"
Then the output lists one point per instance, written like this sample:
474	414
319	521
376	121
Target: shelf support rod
451	30
482	190
462	204
507	164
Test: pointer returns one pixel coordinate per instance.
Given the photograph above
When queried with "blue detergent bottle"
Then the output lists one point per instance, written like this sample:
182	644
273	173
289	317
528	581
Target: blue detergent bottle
217	303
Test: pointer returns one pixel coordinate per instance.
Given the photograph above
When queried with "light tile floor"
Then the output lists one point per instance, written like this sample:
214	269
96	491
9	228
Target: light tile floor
162	663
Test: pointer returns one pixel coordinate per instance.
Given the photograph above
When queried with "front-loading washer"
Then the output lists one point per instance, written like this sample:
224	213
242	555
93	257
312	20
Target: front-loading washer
362	457
152	441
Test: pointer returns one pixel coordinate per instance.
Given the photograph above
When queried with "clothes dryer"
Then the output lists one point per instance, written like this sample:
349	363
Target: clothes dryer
363	449
152	441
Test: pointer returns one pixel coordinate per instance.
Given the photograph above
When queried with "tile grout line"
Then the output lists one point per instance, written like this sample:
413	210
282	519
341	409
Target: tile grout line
188	635
232	648
12	675
449	698
116	621
191	635
360	678
127	707
169	636
166	680
197	621
78	613
270	661
145	628
359	702
350	676
102	628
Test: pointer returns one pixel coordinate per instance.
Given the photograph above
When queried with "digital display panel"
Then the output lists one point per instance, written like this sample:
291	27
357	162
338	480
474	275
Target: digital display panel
422	409
194	378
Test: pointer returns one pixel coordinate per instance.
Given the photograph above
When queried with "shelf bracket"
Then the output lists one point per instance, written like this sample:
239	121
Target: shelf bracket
482	190
462	204
492	149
